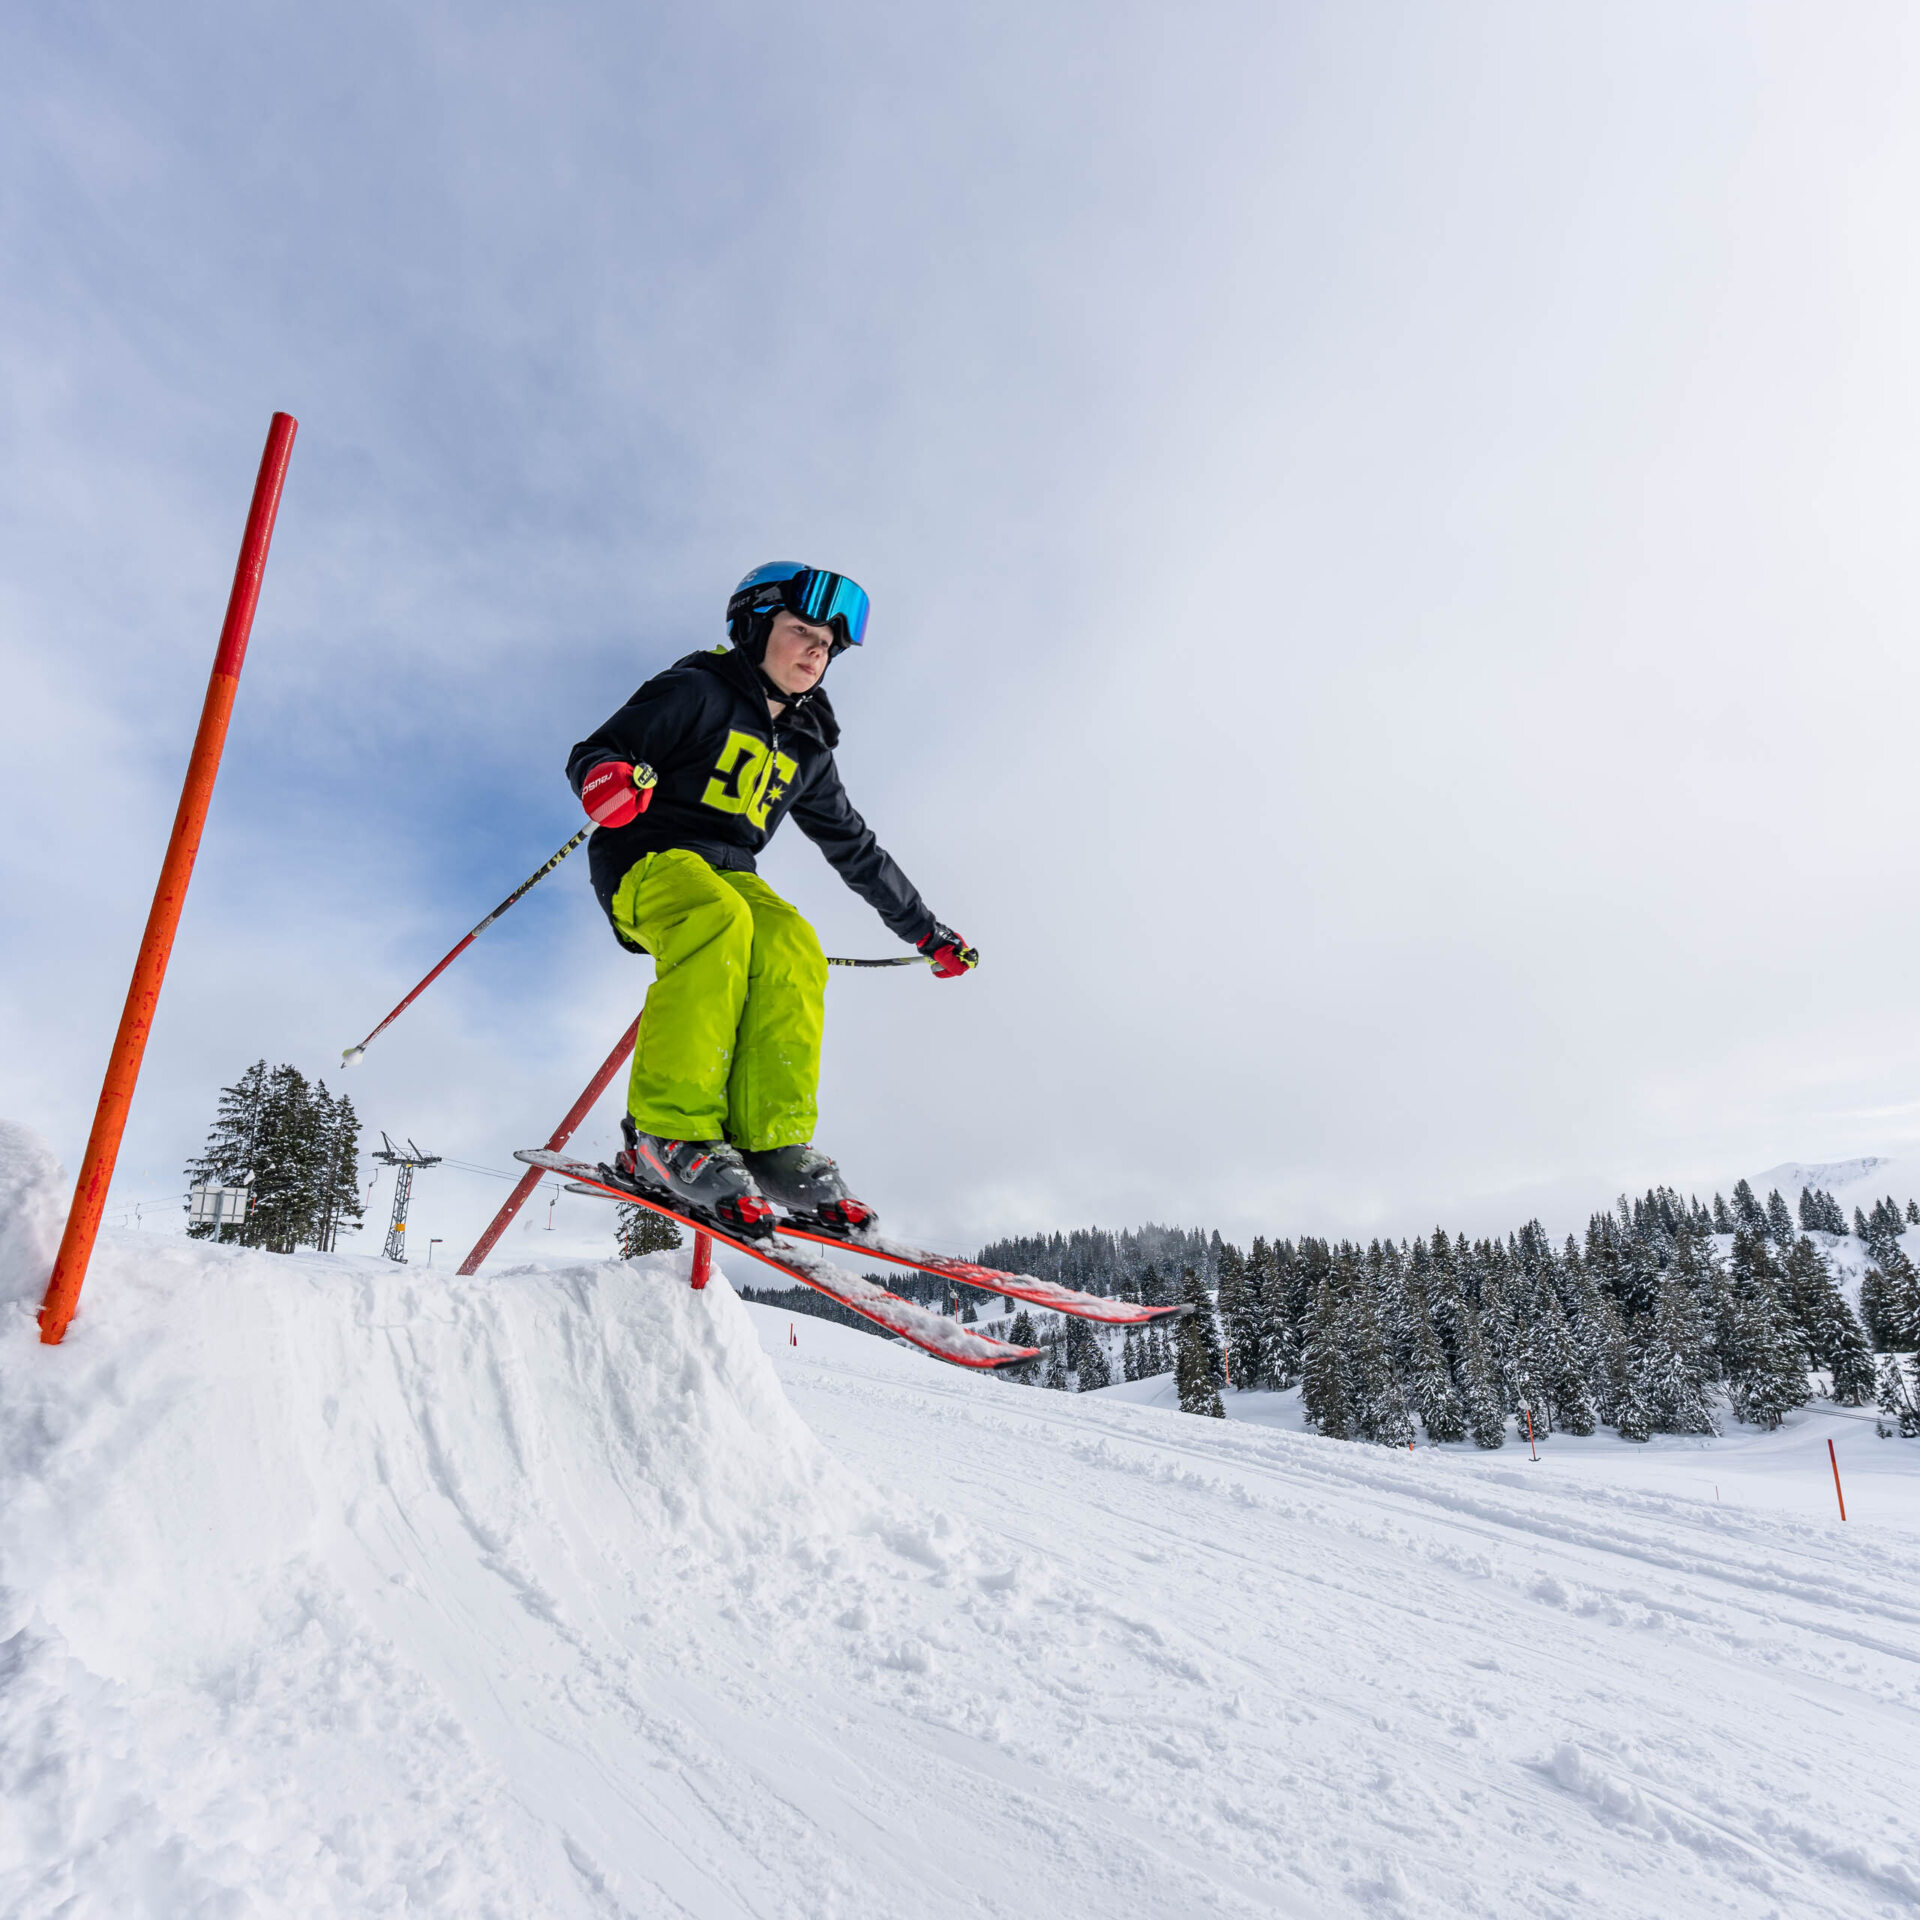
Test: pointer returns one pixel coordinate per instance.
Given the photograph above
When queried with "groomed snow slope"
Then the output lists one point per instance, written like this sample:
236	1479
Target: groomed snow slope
333	1588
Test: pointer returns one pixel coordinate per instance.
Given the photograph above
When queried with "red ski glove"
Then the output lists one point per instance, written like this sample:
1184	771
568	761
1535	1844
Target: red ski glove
951	956
616	791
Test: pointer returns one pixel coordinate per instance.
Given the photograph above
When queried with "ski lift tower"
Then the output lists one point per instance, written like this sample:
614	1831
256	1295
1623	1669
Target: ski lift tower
403	1165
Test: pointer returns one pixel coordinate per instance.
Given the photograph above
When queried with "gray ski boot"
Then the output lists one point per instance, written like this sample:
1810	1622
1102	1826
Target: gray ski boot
701	1177
806	1182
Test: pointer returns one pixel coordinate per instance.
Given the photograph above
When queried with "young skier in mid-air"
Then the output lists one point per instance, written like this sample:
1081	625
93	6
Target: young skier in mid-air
685	784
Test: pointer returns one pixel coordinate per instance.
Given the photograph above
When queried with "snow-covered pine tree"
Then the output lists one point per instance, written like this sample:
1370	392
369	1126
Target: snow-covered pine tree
1387	1280
1149	1353
1898	1397
232	1141
1722	1216
1130	1354
1314	1264
1890	1298
1632	1415
1851	1363
1500	1337
289	1160
1446	1305
1096	1369
1525	1393
1780	1221
338	1207
1239	1306
1764	1360
1671	1369
1021	1334
1379	1401
1589	1322
1276	1335
1430	1385
1056	1374
1828	1327
1773	1378
1747	1211
638	1230
1323	1366
1556	1363
1913	1213
1200	1361
1486	1408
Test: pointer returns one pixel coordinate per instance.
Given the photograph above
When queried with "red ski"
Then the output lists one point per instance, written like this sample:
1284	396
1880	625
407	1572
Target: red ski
933	1333
1015	1286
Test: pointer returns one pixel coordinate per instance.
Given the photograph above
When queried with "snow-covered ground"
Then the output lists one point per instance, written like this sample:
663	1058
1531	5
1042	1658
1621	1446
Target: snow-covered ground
328	1587
1787	1470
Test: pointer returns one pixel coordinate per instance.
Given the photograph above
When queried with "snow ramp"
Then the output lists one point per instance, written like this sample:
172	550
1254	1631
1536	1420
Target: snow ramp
332	1588
328	1586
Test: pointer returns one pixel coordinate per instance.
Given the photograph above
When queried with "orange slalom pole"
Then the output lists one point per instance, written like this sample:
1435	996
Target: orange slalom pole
163	921
703	1261
561	1134
1837	1494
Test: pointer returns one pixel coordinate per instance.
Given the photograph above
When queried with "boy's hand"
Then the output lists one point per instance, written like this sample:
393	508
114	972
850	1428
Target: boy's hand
616	791
951	956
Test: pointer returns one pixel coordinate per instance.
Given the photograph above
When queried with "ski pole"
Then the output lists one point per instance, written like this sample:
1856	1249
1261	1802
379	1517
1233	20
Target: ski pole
532	880
905	960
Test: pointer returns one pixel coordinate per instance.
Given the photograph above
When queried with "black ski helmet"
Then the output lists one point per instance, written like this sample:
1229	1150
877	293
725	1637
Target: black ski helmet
814	594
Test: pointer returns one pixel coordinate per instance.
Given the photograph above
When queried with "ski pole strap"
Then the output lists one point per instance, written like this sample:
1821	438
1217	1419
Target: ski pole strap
905	960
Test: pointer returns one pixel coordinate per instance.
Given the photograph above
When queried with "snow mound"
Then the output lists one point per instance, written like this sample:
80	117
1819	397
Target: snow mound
32	1213
331	1586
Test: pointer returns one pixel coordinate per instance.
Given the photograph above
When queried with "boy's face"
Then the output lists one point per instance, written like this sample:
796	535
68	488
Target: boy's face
797	652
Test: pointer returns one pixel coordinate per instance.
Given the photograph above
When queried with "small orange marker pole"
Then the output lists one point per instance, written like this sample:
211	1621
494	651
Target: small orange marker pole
1531	1448
702	1260
163	920
1834	1460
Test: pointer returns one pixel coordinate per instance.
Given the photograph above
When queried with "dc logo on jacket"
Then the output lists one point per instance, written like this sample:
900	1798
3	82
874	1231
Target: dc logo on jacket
748	778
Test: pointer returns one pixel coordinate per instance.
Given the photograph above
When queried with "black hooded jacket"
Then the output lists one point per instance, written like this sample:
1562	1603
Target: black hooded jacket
729	776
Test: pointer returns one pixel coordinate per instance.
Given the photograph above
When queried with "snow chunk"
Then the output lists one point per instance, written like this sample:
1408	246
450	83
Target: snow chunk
32	1212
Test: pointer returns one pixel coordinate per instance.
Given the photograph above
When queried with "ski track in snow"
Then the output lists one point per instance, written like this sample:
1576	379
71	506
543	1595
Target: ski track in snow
328	1587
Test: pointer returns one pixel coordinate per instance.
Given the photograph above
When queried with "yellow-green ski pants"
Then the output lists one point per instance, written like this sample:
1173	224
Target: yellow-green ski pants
729	1045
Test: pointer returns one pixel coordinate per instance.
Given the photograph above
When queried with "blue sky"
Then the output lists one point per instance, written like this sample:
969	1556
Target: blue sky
1388	531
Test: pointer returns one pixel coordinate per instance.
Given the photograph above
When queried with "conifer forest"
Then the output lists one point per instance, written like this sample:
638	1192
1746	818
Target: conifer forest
1670	1317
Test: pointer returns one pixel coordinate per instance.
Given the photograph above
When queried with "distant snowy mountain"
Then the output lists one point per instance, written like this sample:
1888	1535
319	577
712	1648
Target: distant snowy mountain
1869	1174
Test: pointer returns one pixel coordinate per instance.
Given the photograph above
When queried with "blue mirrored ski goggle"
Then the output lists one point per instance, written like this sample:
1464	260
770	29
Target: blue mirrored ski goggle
826	599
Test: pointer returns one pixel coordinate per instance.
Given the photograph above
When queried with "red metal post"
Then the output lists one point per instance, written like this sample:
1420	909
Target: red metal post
702	1260
517	1199
1531	1448
1837	1494
176	870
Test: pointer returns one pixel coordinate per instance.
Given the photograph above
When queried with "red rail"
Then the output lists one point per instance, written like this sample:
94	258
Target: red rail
163	921
525	1185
